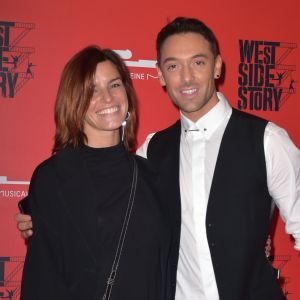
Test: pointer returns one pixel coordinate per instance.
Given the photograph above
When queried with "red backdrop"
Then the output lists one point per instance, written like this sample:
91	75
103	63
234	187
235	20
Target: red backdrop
38	37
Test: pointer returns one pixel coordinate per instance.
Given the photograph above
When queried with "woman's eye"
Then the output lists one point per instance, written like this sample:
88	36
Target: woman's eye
116	85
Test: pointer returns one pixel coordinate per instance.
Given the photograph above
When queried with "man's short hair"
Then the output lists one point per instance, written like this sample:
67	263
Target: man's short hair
186	25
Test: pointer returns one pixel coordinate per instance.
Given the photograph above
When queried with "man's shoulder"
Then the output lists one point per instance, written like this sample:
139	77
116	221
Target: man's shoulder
247	116
153	139
170	128
165	141
170	131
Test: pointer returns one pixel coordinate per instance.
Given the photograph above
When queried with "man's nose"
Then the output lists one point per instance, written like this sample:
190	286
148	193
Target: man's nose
187	74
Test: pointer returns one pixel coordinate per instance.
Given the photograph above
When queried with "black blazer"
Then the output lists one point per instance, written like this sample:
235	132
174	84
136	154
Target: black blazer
61	257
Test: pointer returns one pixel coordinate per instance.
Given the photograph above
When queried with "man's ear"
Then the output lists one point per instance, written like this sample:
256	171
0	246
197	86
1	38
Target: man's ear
218	66
160	76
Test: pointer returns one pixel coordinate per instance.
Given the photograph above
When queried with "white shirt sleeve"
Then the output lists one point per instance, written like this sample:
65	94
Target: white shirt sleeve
142	150
283	177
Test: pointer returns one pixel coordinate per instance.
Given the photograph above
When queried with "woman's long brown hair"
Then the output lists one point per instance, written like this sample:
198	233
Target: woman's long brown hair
75	92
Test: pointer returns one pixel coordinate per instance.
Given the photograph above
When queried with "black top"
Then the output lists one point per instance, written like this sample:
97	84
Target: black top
79	198
111	173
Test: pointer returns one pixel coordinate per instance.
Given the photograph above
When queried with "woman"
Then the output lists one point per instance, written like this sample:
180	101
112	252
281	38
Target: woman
109	225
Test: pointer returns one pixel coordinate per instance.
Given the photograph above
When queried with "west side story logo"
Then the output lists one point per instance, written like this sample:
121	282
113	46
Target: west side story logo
10	277
16	66
265	78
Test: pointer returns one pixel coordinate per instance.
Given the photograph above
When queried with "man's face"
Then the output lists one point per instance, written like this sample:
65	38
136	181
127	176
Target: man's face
188	70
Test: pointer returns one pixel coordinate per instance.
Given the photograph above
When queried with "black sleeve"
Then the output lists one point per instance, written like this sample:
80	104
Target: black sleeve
43	268
23	205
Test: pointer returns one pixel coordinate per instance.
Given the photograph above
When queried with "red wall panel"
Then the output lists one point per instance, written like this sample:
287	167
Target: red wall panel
48	33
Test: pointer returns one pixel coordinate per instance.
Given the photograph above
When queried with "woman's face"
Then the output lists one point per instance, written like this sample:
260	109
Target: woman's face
109	104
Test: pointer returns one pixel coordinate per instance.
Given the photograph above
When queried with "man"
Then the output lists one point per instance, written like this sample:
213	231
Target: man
220	171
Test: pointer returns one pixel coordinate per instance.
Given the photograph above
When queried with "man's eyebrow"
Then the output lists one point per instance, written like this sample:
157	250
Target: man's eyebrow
168	59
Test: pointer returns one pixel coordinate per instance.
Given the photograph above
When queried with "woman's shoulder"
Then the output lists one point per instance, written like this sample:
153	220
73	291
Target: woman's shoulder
54	163
45	166
43	172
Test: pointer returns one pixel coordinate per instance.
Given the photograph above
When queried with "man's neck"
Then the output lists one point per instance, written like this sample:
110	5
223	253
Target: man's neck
197	115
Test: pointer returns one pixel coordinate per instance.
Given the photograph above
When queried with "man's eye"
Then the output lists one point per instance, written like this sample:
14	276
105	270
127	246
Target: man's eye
199	62
171	67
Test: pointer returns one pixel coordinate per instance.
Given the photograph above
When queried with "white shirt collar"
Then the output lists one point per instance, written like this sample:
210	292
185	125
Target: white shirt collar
211	120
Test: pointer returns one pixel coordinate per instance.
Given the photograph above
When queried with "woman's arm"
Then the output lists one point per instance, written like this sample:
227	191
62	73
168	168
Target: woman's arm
43	269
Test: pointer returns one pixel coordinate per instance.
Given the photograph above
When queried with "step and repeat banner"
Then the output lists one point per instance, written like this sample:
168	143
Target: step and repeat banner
259	43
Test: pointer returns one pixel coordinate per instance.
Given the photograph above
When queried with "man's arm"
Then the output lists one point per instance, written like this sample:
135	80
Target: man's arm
283	175
142	150
24	224
23	218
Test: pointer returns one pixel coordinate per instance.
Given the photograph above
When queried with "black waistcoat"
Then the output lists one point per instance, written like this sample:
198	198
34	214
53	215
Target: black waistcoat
238	212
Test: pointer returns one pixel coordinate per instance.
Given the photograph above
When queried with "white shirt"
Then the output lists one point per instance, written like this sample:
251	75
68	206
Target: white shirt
199	148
